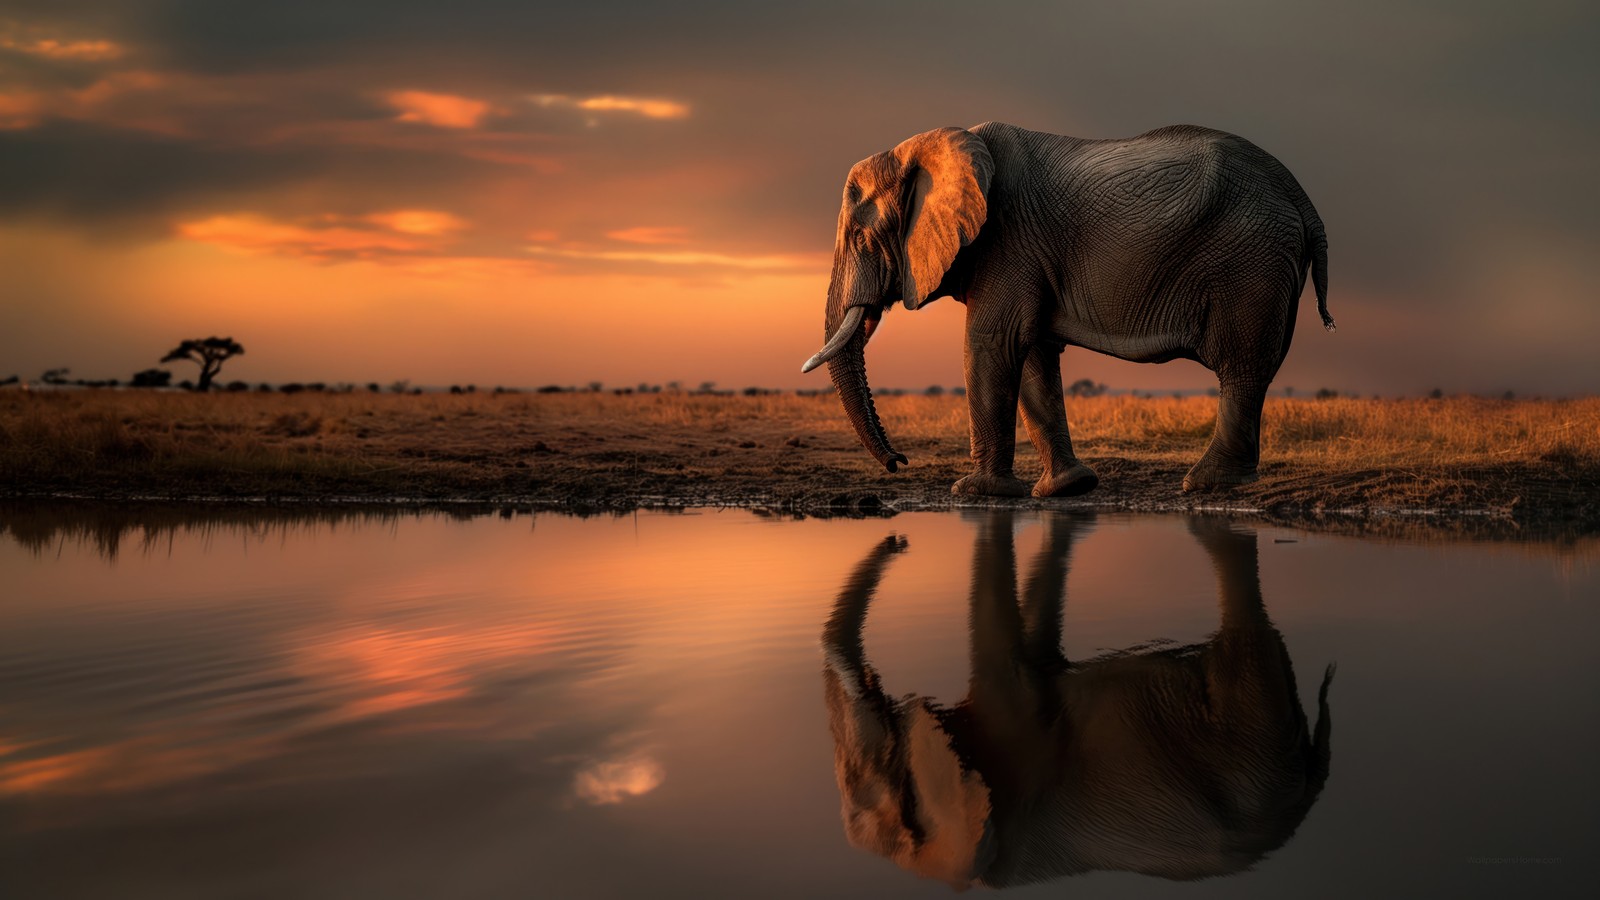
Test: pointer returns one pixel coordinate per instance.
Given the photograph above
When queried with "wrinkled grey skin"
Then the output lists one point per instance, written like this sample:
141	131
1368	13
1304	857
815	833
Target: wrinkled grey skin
1179	762
1183	242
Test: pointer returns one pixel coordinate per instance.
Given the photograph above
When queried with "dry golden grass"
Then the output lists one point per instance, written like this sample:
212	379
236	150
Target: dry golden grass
1346	432
1528	457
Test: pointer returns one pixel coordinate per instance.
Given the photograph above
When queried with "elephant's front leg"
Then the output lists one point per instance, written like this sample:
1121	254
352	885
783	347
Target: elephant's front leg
994	361
1044	412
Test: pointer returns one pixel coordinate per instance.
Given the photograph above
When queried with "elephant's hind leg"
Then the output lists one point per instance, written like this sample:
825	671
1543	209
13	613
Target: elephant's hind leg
1044	413
1235	446
1250	324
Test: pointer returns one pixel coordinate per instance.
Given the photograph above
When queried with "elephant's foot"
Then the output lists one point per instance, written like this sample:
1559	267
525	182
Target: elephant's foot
1208	475
1074	480
983	484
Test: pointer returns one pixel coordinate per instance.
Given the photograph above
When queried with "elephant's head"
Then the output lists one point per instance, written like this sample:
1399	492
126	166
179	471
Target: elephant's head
904	793
906	214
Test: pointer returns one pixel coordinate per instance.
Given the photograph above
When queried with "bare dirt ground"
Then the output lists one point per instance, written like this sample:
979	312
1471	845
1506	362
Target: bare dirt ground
1463	466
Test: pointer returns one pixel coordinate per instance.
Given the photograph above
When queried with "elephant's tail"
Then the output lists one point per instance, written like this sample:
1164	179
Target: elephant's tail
1317	248
1321	753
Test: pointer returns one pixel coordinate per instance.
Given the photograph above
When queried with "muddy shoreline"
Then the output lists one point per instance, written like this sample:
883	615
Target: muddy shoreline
1400	468
870	501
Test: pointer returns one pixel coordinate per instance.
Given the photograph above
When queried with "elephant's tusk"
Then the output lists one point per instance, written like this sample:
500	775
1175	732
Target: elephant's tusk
847	330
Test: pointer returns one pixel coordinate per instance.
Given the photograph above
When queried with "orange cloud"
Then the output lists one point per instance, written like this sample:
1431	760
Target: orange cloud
20	109
115	85
438	110
428	222
51	48
649	235
544	165
772	262
649	108
459	271
42	773
259	234
25	108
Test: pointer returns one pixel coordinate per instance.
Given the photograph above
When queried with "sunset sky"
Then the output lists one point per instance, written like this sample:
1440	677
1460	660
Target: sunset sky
524	193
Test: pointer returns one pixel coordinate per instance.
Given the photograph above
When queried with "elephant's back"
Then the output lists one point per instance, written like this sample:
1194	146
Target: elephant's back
1170	178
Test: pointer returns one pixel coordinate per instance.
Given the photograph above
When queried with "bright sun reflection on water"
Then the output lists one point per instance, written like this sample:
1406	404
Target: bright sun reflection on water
614	781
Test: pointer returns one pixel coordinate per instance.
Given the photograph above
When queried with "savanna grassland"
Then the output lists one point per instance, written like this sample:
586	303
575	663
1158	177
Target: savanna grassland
1533	462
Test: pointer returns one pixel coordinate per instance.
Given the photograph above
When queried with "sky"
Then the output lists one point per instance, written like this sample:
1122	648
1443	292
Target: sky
527	193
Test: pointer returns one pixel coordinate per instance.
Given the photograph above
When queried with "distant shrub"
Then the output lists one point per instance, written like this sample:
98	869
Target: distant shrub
235	387
1326	393
551	389
933	390
455	389
1086	387
151	378
293	387
373	387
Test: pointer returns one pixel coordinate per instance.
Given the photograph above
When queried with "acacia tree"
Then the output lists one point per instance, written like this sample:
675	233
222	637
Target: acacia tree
209	353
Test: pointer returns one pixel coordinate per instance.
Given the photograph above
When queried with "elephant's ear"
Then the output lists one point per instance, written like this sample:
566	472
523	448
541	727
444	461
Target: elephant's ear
947	203
952	806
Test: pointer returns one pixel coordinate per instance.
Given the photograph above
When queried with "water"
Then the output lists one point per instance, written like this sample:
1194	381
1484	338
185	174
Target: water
240	705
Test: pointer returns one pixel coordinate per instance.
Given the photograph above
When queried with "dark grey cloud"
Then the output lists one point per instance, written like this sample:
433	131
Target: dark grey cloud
1407	105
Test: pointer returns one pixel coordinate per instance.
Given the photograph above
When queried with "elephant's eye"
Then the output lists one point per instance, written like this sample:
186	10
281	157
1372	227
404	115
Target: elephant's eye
852	193
866	214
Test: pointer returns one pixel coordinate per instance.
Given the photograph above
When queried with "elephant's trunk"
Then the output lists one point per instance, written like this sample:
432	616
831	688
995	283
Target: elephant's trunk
855	298
849	372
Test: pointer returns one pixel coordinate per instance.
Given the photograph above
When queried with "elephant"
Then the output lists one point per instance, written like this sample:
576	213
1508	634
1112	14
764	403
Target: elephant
1182	242
1182	762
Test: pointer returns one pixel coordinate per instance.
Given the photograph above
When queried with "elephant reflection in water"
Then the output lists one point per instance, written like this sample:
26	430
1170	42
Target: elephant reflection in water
1182	762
